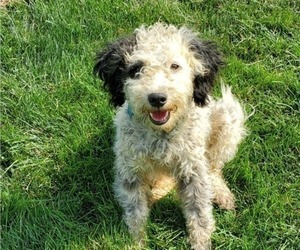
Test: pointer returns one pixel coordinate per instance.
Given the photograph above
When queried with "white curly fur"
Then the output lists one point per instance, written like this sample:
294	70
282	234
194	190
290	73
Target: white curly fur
188	151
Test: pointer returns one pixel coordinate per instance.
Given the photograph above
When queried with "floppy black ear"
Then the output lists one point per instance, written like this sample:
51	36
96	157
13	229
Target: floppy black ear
210	57
111	67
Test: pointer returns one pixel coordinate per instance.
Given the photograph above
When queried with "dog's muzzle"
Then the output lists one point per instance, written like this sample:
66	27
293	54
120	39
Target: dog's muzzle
158	100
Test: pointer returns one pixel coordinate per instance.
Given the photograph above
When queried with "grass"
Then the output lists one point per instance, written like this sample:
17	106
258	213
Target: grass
57	133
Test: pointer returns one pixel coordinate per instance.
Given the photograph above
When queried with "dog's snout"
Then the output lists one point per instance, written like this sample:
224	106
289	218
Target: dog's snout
157	99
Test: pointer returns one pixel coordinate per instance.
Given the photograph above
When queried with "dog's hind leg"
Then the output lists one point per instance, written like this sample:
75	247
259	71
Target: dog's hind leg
227	131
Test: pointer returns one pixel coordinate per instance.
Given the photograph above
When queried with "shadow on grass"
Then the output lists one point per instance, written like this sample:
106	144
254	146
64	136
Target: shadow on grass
78	212
167	224
87	181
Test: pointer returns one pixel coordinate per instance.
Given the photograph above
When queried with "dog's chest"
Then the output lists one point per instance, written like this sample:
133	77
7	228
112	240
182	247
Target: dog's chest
158	149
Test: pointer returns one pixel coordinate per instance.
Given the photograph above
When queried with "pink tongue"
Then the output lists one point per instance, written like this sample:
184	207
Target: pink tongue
159	115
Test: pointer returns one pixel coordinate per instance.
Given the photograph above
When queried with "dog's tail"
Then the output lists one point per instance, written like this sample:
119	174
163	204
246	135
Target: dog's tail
229	99
228	128
231	105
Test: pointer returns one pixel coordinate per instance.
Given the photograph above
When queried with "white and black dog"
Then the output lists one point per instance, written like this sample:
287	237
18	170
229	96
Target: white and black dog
170	131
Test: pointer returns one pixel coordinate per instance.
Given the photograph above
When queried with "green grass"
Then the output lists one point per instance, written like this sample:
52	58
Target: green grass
57	132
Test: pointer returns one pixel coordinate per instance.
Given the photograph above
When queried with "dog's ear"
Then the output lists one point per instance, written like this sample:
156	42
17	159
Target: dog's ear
210	58
111	67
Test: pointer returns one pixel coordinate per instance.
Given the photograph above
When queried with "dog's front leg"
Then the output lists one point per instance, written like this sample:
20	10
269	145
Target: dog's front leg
129	192
196	195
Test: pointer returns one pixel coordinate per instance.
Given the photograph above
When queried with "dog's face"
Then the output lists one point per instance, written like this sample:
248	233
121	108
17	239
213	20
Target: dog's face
161	71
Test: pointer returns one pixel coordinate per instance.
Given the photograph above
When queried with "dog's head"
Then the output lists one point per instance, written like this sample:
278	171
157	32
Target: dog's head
160	71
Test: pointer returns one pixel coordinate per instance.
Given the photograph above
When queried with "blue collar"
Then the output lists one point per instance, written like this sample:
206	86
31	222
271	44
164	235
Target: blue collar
129	111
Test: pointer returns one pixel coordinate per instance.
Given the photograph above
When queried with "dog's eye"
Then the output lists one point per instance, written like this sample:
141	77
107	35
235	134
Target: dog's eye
174	66
134	69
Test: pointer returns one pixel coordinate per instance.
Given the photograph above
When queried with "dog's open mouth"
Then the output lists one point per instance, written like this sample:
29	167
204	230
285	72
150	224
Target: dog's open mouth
159	117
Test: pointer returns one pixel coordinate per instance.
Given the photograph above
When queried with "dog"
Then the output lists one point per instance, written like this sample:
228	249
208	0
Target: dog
170	132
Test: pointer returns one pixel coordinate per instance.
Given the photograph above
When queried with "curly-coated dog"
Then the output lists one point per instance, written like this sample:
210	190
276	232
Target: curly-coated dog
170	132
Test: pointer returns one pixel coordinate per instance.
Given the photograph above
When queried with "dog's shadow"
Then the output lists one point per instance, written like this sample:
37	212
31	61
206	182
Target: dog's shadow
166	224
85	186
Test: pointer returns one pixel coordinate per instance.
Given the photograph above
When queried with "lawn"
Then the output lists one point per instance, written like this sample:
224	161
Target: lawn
57	132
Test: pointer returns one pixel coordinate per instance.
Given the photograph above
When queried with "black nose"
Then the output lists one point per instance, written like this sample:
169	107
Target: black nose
157	99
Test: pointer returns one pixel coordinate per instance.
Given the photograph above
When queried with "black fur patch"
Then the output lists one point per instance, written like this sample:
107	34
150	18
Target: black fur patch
111	67
208	53
134	69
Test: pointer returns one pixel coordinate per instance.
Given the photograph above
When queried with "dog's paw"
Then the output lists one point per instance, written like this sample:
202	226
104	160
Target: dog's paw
225	200
201	245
